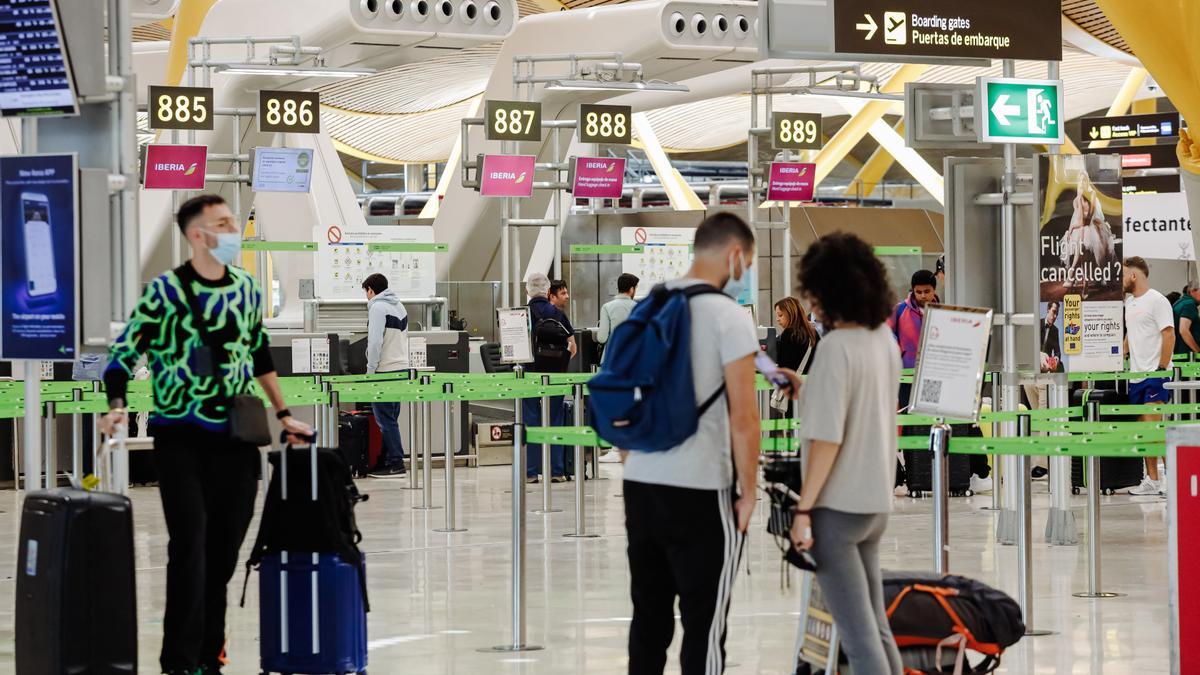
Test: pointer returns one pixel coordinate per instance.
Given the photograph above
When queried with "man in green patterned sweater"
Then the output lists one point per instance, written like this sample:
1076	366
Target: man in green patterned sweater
207	481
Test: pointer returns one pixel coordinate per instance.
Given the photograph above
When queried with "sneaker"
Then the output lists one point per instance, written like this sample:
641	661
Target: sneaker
531	479
901	491
1038	472
1147	487
980	485
396	471
558	479
610	457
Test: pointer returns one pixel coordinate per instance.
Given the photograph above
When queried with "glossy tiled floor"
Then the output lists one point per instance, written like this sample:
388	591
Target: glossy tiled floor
438	598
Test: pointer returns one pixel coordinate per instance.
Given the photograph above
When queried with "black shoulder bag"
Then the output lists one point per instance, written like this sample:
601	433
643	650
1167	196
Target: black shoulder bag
247	414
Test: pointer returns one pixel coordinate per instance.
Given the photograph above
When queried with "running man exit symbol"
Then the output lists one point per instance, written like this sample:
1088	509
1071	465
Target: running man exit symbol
1041	115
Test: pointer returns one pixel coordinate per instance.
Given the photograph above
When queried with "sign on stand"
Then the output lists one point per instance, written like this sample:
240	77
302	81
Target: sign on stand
612	124
281	169
39	258
791	182
949	374
598	177
1020	111
516	346
346	257
506	175
174	167
185	108
1158	226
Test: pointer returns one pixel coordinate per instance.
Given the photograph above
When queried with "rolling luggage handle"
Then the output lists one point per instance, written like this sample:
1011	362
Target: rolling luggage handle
110	465
284	627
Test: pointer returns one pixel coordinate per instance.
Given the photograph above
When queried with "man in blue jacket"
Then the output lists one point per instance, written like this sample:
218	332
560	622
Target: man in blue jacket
554	346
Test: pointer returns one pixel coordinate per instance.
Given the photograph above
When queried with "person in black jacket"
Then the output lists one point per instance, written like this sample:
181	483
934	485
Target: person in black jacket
554	347
797	336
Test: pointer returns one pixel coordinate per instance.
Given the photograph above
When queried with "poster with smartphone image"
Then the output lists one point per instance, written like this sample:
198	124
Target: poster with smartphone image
39	295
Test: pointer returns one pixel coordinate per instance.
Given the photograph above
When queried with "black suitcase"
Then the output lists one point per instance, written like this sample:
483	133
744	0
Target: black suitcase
918	465
75	604
354	442
1116	473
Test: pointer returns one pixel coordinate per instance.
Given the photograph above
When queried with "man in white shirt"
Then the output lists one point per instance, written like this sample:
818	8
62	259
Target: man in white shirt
1149	342
613	314
687	508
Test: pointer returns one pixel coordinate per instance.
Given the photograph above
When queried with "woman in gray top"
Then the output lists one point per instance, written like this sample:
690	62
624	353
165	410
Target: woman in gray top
848	425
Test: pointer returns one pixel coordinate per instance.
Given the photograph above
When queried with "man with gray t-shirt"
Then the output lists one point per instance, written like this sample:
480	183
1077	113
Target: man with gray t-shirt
684	520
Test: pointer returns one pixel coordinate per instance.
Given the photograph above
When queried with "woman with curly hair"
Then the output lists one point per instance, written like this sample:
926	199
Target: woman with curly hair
848	427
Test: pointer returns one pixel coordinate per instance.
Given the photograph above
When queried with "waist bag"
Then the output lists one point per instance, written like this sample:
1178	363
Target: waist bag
928	610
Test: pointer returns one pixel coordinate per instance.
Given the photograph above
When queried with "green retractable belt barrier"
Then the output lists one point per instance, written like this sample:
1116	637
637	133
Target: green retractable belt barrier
585	436
787	424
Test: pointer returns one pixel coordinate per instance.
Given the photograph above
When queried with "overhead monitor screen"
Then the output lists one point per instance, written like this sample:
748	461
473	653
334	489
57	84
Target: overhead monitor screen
35	74
282	170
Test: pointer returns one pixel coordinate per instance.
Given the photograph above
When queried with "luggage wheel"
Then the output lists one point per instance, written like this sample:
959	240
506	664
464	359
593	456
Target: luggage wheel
914	494
1074	490
1108	492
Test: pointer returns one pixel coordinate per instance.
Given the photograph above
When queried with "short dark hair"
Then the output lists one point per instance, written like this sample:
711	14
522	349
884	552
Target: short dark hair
376	282
557	286
716	230
923	278
1137	262
627	281
849	282
194	207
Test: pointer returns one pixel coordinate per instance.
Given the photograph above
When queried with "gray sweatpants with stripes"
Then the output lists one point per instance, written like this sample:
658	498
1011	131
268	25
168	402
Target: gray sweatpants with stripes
846	550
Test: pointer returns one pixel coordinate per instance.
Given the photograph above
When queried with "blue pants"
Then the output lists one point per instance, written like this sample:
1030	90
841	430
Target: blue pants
531	415
387	416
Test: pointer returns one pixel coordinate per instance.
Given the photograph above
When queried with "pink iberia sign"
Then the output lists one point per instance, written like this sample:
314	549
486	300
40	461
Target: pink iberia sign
599	177
506	176
174	167
791	182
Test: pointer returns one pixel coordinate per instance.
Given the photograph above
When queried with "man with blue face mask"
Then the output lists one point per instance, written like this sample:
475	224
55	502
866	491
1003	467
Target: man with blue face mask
207	480
687	508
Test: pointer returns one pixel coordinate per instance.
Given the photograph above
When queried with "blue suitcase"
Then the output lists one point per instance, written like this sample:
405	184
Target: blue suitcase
292	641
312	609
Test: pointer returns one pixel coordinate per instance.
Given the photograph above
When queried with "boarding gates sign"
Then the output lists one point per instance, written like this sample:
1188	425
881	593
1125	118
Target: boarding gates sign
1020	111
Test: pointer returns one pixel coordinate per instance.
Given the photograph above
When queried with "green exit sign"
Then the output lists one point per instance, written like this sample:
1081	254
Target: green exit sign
1020	111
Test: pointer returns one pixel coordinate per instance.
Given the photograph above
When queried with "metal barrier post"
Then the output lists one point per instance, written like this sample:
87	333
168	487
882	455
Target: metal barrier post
77	440
517	644
1060	522
1007	528
413	452
547	470
939	445
333	436
426	416
997	479
448	431
1091	413
50	444
1024	485
580	503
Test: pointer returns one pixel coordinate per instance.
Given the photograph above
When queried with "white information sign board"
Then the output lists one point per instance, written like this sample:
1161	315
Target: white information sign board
345	258
281	169
516	346
1158	226
949	374
666	254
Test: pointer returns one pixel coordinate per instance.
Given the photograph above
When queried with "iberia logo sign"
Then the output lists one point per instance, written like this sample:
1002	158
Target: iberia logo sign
506	175
598	177
174	167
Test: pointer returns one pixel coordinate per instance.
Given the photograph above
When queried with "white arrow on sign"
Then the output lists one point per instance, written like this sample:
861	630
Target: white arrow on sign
1001	108
869	26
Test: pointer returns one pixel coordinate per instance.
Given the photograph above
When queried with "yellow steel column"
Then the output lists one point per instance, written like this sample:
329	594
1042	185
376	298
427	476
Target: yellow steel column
451	172
1120	104
859	125
188	19
873	171
682	196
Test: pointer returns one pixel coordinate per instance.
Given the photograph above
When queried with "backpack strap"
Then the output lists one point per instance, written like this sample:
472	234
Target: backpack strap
690	292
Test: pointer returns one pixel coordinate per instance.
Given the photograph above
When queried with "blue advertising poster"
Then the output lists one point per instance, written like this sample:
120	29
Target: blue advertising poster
39	294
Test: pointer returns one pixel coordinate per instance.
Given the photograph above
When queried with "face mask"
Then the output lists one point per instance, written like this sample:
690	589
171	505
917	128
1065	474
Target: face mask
229	245
735	287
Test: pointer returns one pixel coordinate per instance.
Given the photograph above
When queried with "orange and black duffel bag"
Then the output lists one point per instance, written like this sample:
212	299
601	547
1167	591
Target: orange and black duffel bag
938	619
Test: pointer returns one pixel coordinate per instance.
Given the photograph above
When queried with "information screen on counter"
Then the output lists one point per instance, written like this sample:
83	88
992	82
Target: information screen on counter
39	258
949	374
515	343
186	108
1018	29
513	121
289	112
281	170
605	124
796	131
35	73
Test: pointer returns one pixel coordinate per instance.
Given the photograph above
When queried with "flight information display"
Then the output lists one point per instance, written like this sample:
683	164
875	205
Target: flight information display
35	75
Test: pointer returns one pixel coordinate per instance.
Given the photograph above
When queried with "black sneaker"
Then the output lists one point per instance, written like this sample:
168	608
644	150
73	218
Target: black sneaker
397	471
1038	472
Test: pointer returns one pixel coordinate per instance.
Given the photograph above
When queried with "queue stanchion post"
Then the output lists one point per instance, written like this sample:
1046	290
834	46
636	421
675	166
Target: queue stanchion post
1060	521
413	453
517	643
939	446
1008	527
448	431
1025	534
50	445
580	496
426	416
547	470
1091	413
76	440
997	478
333	436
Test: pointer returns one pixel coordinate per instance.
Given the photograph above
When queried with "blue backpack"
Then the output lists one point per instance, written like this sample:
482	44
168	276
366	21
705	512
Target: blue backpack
643	398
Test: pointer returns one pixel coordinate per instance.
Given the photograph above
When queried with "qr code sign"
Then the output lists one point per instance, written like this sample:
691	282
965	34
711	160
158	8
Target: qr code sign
509	351
931	391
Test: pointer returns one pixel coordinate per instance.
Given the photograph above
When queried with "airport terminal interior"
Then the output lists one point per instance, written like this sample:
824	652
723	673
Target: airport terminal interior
418	242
